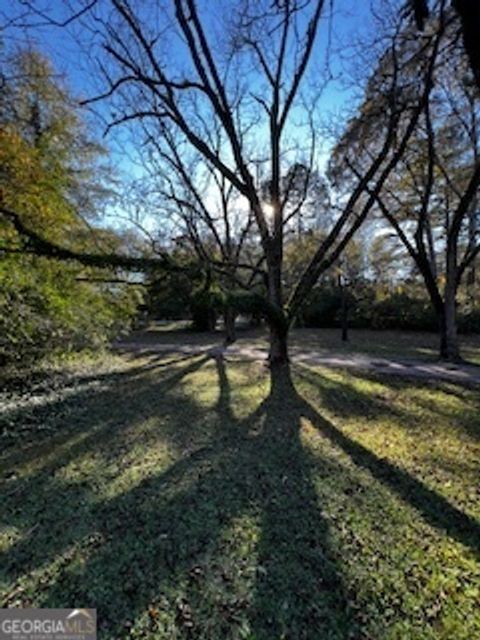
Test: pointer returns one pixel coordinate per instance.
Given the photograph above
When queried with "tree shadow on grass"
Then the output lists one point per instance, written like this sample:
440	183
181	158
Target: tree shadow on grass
346	400
433	507
165	558
43	504
90	414
163	541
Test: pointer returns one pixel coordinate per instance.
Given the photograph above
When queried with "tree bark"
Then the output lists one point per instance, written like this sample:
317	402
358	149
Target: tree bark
282	389
278	352
446	312
278	324
344	312
229	321
449	348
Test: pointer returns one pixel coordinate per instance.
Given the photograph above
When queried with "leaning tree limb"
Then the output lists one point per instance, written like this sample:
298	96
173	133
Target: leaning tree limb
35	244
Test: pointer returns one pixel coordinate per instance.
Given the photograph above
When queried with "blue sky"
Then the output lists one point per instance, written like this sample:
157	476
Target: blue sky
72	55
68	48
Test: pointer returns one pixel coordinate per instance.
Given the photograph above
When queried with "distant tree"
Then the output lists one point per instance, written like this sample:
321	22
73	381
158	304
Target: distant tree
431	200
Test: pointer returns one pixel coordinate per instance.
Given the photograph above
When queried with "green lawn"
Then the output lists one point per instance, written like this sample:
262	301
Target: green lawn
184	501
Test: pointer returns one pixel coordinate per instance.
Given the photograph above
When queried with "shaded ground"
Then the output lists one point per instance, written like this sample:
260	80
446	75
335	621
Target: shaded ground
183	498
395	353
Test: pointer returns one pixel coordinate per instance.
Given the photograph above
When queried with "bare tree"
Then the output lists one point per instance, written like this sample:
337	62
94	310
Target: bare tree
205	88
206	214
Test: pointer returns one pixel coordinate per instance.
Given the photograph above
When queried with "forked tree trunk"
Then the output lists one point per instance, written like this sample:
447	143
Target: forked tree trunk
445	309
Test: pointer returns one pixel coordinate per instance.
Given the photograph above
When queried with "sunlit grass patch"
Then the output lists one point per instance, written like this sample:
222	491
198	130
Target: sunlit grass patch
431	430
425	583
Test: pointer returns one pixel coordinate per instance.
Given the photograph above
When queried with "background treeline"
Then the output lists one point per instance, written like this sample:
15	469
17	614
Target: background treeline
404	307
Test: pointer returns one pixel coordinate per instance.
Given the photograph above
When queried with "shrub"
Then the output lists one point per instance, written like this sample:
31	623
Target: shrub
402	311
322	308
394	311
44	310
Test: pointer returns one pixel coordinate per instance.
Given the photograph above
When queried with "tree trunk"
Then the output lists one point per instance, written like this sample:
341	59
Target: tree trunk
278	352
449	349
229	321
278	325
472	239
445	308
282	389
344	314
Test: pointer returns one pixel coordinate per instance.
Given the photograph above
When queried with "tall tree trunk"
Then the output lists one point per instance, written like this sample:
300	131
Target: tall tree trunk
472	239
278	325
278	351
343	308
229	321
277	322
445	308
282	389
344	317
449	348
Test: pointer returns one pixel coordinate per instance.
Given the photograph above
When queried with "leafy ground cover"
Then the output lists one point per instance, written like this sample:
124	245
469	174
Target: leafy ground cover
184	498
